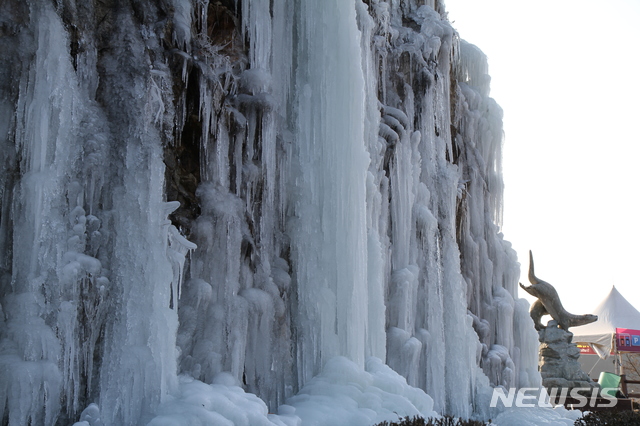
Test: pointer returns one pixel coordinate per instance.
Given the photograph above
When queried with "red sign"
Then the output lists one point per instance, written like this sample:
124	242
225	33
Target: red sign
585	349
627	340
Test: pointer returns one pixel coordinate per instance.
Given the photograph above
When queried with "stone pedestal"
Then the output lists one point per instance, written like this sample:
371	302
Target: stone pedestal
559	366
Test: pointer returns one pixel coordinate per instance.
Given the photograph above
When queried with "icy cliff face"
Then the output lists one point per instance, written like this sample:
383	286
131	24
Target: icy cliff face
250	187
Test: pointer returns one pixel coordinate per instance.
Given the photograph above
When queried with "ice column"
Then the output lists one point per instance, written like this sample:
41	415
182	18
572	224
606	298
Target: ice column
329	246
47	108
377	239
139	364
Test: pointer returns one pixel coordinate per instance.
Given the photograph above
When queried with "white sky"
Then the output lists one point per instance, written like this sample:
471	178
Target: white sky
566	75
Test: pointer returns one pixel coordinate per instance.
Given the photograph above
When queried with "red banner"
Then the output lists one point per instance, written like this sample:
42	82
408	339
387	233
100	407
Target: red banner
627	340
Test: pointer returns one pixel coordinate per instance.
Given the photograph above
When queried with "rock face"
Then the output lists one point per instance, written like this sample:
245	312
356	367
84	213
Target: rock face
559	364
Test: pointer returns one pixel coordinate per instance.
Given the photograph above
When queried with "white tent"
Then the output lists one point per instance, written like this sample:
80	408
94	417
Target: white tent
614	312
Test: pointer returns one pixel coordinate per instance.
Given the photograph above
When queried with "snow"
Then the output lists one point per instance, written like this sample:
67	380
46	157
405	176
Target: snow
336	257
342	394
221	403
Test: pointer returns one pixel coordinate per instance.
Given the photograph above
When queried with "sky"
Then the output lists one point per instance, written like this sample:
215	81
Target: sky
566	75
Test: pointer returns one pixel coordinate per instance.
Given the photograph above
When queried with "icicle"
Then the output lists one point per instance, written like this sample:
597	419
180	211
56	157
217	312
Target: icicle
182	16
177	251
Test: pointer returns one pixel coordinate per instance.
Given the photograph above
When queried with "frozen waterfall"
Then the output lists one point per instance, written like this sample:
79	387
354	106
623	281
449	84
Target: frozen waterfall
261	202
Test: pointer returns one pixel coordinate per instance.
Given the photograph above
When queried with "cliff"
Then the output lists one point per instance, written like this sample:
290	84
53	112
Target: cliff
252	187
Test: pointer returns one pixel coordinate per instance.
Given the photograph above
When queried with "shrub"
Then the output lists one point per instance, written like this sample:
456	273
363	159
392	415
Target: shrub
444	421
614	418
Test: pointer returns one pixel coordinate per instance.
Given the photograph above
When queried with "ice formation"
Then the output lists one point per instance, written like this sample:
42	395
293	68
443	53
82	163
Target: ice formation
237	205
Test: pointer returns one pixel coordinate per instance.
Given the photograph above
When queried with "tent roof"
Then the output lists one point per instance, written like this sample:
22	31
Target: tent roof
613	312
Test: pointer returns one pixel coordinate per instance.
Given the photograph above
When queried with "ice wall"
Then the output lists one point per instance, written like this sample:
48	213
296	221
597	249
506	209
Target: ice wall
253	187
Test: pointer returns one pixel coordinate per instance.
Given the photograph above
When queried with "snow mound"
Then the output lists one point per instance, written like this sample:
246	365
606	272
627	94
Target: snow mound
345	394
222	403
342	394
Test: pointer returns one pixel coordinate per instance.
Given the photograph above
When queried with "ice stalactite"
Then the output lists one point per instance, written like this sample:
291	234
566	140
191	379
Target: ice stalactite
236	312
41	285
87	306
202	196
